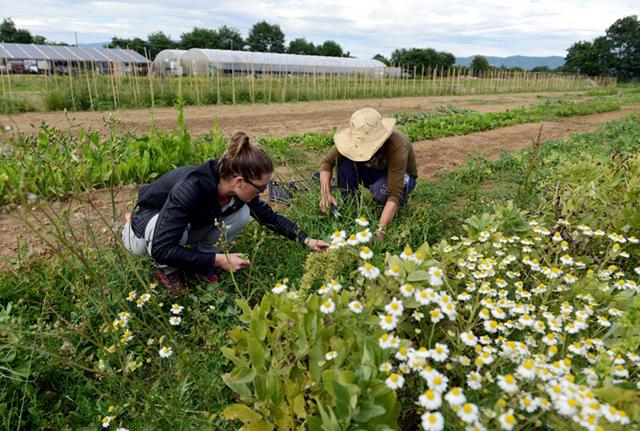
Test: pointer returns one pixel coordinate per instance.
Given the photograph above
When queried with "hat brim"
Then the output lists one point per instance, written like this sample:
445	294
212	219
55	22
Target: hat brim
362	152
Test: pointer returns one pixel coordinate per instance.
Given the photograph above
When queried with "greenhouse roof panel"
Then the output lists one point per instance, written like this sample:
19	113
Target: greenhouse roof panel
24	51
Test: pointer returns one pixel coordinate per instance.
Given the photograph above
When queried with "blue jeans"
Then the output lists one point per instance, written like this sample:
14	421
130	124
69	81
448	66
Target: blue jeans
351	174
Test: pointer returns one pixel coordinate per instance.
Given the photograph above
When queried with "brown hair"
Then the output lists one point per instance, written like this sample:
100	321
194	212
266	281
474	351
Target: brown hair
244	159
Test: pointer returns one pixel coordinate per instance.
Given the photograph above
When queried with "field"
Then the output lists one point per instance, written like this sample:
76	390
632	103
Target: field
521	237
88	91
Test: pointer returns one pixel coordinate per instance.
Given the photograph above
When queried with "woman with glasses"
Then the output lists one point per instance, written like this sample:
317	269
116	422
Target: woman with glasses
180	217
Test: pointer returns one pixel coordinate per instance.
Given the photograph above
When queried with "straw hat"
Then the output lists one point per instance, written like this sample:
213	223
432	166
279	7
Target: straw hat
366	133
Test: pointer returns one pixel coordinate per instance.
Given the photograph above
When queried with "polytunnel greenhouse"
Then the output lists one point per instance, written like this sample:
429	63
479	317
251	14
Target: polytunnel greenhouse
207	62
167	62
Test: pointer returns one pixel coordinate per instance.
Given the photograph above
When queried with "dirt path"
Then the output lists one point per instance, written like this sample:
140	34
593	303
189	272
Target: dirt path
446	154
94	209
269	120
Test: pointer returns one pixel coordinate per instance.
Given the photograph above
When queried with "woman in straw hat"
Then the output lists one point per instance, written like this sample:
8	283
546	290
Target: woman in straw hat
370	152
179	218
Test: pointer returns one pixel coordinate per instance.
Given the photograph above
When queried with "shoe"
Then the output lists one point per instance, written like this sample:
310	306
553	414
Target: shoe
210	278
172	282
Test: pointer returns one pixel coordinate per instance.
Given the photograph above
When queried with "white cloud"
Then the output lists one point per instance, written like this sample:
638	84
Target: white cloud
463	27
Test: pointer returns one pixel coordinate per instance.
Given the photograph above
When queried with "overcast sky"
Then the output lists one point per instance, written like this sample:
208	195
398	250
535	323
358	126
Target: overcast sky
364	28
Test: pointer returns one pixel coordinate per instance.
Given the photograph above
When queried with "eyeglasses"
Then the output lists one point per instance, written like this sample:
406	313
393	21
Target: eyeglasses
260	189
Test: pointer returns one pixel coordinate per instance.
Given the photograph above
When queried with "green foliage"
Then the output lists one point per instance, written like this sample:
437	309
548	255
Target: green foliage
265	37
479	65
57	315
55	163
418	58
615	53
433	126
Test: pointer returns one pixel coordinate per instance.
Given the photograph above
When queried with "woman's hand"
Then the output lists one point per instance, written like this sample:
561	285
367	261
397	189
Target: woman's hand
326	198
231	262
316	244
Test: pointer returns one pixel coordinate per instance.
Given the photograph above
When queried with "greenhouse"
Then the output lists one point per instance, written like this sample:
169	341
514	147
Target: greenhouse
32	58
167	62
207	62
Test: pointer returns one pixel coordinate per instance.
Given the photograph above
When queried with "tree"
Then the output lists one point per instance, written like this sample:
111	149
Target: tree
265	37
230	38
381	58
422	57
330	48
300	46
624	43
479	65
616	53
136	44
158	41
200	38
545	69
9	33
590	58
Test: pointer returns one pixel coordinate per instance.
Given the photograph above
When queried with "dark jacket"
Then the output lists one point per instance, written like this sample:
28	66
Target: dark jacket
188	196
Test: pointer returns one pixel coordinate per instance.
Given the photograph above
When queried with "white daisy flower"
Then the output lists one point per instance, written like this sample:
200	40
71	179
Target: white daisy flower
361	221
432	421
176	309
334	285
279	288
435	276
394	381
508	383
468	413
364	236
385	367
455	397
366	253
393	270
143	299
388	322
407	290
369	271
131	296
175	320
407	253
395	307
507	420
339	235
468	338
328	306
430	400
355	306
165	352
106	421
331	355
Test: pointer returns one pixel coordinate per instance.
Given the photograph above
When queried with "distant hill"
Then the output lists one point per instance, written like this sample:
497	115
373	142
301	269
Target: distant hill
522	61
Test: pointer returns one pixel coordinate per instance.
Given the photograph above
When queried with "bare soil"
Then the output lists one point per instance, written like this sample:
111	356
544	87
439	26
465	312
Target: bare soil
268	120
27	232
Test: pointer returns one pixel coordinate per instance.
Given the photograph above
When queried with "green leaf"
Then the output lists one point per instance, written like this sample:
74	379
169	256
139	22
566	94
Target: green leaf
241	375
249	418
419	275
368	410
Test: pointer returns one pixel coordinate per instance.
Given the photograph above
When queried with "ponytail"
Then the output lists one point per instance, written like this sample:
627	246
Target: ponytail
244	159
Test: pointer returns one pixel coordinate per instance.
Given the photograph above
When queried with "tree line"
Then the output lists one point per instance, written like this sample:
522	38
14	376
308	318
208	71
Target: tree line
616	53
263	37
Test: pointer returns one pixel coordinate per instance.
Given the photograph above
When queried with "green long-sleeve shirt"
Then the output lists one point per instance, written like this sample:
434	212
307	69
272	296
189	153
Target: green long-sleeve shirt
396	156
